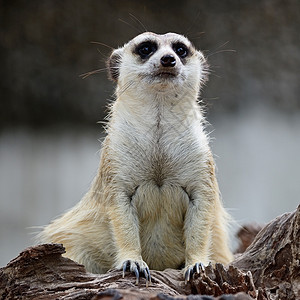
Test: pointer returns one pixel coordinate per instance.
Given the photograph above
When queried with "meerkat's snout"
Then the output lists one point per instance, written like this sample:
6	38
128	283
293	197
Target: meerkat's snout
168	61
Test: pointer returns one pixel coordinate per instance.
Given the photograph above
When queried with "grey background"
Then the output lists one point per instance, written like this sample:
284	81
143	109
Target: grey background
49	148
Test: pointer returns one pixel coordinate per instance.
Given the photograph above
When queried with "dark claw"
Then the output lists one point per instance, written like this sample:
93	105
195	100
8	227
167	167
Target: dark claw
126	266
202	267
146	274
195	269
135	267
137	273
199	267
149	275
188	274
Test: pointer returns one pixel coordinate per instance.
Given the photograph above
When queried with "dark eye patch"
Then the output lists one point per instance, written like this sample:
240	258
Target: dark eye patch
146	49
181	50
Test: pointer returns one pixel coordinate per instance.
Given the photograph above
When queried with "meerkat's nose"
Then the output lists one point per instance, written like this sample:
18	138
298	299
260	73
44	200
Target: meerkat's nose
168	60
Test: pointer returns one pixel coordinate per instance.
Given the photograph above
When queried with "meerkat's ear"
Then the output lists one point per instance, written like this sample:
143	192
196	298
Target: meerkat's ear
113	64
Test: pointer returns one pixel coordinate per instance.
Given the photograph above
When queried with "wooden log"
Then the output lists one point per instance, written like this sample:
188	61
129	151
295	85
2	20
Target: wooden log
267	270
41	272
274	257
246	235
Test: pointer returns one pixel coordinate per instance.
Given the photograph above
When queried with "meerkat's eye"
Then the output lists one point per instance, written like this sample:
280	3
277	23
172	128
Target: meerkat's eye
181	50
146	49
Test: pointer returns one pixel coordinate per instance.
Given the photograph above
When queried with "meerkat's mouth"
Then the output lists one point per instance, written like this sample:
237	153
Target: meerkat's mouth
165	74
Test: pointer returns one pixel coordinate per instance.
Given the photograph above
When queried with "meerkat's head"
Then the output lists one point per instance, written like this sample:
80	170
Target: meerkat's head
158	63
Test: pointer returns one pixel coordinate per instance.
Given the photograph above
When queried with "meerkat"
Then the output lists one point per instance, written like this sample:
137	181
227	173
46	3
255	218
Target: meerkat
155	202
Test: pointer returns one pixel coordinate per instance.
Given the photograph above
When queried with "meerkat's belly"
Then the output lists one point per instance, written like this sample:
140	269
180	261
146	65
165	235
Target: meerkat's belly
161	212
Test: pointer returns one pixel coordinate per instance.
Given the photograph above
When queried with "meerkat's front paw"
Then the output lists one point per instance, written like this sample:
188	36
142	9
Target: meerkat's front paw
139	267
191	269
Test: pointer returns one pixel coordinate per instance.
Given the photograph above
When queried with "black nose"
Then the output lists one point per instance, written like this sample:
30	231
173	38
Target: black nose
168	61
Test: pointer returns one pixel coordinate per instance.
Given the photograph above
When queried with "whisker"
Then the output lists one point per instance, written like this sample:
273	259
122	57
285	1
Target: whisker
214	66
197	36
139	22
104	57
87	74
128	24
193	22
102	44
221	51
216	75
224	44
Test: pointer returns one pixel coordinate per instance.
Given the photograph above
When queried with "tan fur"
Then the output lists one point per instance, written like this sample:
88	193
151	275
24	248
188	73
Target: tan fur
155	199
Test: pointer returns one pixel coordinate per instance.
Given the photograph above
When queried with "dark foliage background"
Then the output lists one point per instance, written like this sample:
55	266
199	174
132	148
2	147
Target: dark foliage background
45	46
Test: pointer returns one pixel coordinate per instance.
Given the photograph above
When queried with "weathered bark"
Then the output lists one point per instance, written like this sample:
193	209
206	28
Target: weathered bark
246	235
274	257
41	272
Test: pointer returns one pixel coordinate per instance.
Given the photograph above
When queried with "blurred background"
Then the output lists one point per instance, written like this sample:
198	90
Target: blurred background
49	132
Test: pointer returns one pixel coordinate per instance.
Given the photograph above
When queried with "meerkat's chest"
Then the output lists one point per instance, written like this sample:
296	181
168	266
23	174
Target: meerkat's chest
161	149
